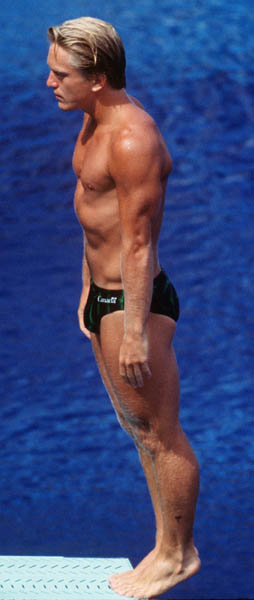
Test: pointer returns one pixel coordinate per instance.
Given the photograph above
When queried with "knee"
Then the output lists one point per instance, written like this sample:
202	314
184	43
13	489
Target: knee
140	433
145	436
139	430
154	437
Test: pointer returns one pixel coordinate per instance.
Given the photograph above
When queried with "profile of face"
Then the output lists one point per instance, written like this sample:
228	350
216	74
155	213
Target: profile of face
72	90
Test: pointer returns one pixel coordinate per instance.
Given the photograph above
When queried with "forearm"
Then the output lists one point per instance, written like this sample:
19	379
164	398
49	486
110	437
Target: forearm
84	294
85	282
137	270
85	271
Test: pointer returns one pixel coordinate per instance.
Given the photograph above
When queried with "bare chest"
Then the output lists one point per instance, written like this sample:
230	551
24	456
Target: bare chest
90	161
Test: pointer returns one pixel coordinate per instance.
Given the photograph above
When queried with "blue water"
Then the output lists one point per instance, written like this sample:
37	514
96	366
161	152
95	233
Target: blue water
71	483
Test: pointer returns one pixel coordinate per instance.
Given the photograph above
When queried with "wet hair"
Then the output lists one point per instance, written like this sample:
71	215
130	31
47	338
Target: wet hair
94	47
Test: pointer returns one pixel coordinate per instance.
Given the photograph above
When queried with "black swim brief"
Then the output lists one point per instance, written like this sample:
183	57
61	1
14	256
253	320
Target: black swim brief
101	302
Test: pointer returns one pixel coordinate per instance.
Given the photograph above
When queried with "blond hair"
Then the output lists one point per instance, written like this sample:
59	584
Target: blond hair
94	46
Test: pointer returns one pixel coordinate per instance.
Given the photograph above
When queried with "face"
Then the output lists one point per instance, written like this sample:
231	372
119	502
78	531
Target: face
71	89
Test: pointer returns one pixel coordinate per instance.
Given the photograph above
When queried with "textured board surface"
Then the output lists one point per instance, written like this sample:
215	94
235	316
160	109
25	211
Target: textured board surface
56	577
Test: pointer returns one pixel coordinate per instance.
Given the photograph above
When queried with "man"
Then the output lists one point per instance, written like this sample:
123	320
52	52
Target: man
128	307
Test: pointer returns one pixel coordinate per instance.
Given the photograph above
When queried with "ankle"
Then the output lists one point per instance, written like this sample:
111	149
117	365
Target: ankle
179	557
173	556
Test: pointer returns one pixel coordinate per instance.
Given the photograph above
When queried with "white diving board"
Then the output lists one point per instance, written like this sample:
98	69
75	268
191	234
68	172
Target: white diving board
59	578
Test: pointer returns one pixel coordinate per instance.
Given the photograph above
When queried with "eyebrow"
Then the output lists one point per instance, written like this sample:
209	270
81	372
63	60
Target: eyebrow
62	73
56	71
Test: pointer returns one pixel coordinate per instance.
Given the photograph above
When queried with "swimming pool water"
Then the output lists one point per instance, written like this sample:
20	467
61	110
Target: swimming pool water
71	483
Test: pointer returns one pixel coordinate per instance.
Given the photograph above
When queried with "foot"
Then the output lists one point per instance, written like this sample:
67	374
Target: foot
155	577
144	563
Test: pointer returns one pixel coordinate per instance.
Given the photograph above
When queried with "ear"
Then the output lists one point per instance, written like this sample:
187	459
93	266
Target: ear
99	82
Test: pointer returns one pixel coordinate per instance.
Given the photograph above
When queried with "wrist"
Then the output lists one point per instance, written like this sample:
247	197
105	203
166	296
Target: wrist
134	332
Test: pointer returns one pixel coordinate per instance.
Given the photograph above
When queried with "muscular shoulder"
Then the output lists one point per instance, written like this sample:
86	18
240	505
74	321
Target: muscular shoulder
136	125
135	140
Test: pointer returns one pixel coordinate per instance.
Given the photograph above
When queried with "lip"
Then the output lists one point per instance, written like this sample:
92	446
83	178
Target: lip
58	97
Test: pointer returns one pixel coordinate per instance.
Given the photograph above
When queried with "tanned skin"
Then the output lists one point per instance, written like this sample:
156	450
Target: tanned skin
122	166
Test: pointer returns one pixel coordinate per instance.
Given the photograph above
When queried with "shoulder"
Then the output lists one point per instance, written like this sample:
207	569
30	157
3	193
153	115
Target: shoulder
137	102
135	125
136	138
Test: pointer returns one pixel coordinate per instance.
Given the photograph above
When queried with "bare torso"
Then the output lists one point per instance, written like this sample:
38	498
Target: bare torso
96	201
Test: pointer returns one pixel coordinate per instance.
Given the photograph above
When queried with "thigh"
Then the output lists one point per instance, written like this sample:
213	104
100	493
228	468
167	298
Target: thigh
158	401
96	345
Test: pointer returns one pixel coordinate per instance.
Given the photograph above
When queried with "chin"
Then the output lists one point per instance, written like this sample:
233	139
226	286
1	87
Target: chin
67	107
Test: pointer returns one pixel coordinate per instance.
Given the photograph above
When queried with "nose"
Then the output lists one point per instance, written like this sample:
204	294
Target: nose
51	81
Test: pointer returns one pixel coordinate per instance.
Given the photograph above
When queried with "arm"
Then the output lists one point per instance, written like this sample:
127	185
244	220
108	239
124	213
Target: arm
136	169
84	294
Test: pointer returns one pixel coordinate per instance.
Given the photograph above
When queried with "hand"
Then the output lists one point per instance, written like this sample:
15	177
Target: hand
133	360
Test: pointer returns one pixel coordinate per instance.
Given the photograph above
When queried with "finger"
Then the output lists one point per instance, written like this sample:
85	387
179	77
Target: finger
127	375
82	327
146	370
134	374
126	380
131	378
138	376
142	372
123	373
85	331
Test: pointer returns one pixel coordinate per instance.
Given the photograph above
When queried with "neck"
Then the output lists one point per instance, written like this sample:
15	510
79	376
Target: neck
106	103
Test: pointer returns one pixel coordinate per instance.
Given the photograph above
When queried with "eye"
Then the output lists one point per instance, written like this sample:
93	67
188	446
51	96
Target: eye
59	75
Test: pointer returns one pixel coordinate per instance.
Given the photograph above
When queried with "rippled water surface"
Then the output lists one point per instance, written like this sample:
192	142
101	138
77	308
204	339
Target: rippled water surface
71	483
